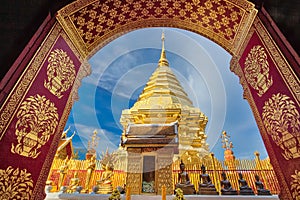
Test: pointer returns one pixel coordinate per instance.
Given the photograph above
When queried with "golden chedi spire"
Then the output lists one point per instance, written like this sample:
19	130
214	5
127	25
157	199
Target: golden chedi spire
163	59
162	90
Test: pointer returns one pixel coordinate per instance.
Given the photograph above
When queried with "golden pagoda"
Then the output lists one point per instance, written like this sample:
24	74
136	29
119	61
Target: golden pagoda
162	125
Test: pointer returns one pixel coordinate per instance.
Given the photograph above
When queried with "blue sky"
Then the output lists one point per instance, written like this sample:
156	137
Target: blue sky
121	69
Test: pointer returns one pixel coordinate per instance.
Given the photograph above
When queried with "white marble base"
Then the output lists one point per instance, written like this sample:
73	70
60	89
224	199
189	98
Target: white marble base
57	196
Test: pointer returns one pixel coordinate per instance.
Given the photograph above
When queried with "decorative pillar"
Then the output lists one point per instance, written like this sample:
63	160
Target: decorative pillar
272	90
163	193
34	115
134	170
164	171
215	174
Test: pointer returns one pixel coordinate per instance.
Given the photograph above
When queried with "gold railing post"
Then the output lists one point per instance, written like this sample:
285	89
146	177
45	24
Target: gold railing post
215	175
128	197
163	193
256	153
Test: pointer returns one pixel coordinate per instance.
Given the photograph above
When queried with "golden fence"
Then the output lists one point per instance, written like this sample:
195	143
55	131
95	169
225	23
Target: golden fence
248	168
214	167
80	166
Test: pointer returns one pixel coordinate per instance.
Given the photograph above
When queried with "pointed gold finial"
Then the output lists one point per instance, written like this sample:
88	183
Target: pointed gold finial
163	40
163	60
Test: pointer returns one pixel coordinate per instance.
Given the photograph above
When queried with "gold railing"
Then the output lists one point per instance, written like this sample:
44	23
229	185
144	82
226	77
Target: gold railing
80	166
248	168
214	167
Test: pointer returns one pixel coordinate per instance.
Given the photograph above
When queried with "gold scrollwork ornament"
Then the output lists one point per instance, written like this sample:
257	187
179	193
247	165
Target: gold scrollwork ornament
257	70
37	120
60	71
295	185
15	184
282	121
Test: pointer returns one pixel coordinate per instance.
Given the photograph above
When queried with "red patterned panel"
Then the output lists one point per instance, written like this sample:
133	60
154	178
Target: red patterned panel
33	117
274	97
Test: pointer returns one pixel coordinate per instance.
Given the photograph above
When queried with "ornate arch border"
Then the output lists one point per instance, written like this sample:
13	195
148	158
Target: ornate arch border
92	24
85	26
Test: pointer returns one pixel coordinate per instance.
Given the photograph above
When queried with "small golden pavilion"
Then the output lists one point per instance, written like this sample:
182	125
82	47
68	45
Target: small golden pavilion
161	126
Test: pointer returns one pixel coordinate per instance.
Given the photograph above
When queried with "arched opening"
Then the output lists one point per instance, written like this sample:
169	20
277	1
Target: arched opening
122	68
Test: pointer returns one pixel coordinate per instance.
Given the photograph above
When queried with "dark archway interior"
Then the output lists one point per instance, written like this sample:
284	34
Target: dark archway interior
20	19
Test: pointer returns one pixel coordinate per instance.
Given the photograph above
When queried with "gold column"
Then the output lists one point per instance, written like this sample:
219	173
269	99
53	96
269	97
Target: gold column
128	197
215	175
256	153
163	193
134	170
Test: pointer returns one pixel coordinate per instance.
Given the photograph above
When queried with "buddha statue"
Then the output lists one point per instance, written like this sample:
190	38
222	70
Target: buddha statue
244	188
63	169
184	181
90	169
205	185
74	184
105	182
260	187
226	186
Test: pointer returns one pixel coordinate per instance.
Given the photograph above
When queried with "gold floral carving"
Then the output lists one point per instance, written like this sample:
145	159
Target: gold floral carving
237	69
133	179
92	24
295	185
60	71
285	70
165	173
11	106
15	184
282	65
7	111
257	70
282	121
37	120
63	118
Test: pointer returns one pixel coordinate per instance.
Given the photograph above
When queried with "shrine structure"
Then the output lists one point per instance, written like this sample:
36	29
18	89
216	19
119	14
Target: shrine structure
161	124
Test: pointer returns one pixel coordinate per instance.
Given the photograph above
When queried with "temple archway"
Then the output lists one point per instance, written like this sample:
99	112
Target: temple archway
35	111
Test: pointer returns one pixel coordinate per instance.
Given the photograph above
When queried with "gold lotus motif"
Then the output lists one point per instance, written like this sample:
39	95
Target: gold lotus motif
37	120
282	121
15	184
60	71
257	70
